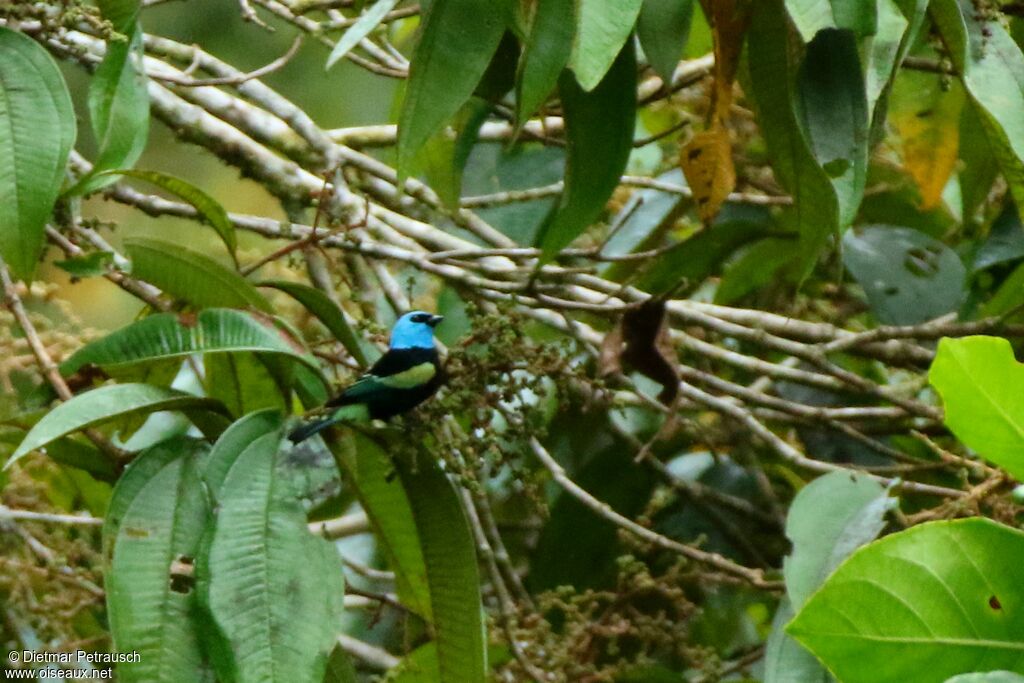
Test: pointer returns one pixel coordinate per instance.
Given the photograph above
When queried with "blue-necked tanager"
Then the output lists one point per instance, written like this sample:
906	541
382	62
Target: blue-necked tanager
404	377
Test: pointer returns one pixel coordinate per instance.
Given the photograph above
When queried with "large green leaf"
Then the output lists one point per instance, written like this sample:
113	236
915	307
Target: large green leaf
908	276
925	604
546	51
369	471
599	138
772	70
273	589
991	66
979	381
37	131
232	442
326	311
833	111
104	404
785	661
244	383
161	513
165	336
812	16
209	208
602	29
191	275
458	39
453	579
663	29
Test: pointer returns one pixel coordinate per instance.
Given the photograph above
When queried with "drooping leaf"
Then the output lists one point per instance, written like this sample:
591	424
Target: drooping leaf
991	67
232	442
370	472
925	604
599	136
443	157
367	21
772	76
602	29
663	29
191	276
977	379
326	311
453	579
640	342
37	132
208	207
908	276
882	51
545	53
707	162
812	16
103	404
273	589
833	111
754	268
118	110
926	116
168	336
161	515
456	44
243	383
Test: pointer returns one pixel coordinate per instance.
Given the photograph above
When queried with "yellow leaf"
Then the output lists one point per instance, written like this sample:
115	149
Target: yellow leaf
707	164
926	115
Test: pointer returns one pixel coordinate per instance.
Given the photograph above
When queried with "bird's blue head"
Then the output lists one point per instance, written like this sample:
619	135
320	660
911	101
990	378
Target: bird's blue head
415	329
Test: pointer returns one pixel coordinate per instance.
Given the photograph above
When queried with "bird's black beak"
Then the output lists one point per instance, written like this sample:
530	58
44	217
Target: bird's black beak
435	320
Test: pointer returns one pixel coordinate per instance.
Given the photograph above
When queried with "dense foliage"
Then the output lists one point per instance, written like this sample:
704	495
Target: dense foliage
731	291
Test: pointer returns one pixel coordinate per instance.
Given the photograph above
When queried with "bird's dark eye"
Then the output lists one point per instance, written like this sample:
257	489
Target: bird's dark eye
420	318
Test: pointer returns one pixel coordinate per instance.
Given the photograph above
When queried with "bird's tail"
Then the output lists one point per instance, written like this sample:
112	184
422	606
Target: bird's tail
351	412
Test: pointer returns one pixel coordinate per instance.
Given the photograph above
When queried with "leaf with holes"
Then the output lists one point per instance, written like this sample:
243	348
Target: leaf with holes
707	162
924	604
160	513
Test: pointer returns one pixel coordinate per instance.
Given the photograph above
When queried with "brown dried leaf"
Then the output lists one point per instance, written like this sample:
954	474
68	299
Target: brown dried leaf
706	161
640	341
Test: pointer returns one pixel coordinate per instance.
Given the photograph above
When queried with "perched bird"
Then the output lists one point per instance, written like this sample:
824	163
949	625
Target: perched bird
404	377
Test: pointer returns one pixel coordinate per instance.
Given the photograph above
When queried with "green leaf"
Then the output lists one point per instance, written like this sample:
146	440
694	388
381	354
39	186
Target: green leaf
978	380
244	383
453	579
991	67
104	404
830	518
546	51
273	589
232	442
988	677
883	50
663	29
122	14
784	660
772	73
90	265
698	257
367	21
833	111
419	666
599	138
458	39
1005	241
191	276
37	132
326	311
908	276
754	269
161	513
925	604
209	208
812	16
118	110
602	29
166	336
370	473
